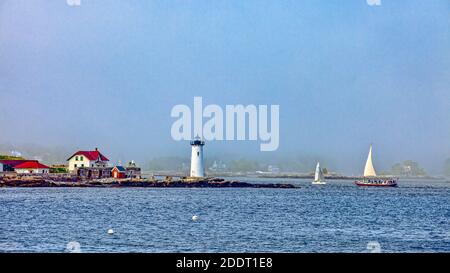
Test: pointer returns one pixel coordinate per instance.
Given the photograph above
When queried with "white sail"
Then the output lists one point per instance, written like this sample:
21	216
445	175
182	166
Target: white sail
369	170
319	174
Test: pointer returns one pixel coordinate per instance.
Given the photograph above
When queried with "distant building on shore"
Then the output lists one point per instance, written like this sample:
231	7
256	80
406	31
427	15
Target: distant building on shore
119	172
8	165
130	171
218	166
23	166
133	171
94	172
87	159
273	169
31	167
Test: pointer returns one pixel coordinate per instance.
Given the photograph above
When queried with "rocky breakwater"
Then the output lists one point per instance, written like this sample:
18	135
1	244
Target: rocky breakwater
30	181
184	183
68	181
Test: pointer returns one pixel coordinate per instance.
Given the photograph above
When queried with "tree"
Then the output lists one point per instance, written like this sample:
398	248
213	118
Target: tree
243	165
170	163
9	157
408	168
58	170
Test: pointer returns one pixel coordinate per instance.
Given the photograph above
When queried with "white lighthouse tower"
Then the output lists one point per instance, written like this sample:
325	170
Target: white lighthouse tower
197	167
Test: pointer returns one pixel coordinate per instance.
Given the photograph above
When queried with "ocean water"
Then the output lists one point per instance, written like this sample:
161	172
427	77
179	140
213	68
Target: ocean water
338	217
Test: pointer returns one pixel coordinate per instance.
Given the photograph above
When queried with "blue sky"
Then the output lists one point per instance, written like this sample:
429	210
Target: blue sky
345	74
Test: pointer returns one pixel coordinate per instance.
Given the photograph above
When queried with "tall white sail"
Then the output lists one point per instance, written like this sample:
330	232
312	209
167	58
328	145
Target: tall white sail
319	174
369	170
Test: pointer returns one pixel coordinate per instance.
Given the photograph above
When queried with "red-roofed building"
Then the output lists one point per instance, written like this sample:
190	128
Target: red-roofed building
32	166
8	165
119	172
87	159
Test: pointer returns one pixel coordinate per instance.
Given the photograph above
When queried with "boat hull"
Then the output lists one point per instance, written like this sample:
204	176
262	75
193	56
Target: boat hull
377	183
319	183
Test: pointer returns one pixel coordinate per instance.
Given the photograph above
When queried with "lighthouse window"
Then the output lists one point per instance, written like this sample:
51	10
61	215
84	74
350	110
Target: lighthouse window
198	153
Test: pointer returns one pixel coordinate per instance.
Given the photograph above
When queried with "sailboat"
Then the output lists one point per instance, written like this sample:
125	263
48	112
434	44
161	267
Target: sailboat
319	178
370	176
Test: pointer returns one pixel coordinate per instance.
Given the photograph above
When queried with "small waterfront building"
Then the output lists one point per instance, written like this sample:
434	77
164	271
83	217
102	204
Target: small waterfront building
94	173
31	167
133	171
23	166
8	165
197	167
87	159
119	172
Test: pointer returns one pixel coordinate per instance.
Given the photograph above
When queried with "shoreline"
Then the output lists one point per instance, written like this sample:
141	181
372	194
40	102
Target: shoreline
343	177
47	182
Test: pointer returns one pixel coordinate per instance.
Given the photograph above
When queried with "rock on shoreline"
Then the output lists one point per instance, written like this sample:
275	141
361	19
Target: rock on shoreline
36	181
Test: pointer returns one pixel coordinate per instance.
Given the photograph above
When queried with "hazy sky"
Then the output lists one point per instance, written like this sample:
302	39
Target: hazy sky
107	73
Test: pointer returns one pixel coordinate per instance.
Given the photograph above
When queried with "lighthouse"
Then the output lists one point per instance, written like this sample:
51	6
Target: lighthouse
197	167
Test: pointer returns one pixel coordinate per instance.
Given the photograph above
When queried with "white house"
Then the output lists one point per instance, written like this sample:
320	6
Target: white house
31	167
87	159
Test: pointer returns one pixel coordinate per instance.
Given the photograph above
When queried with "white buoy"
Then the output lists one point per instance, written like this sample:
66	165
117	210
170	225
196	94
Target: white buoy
194	218
110	231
